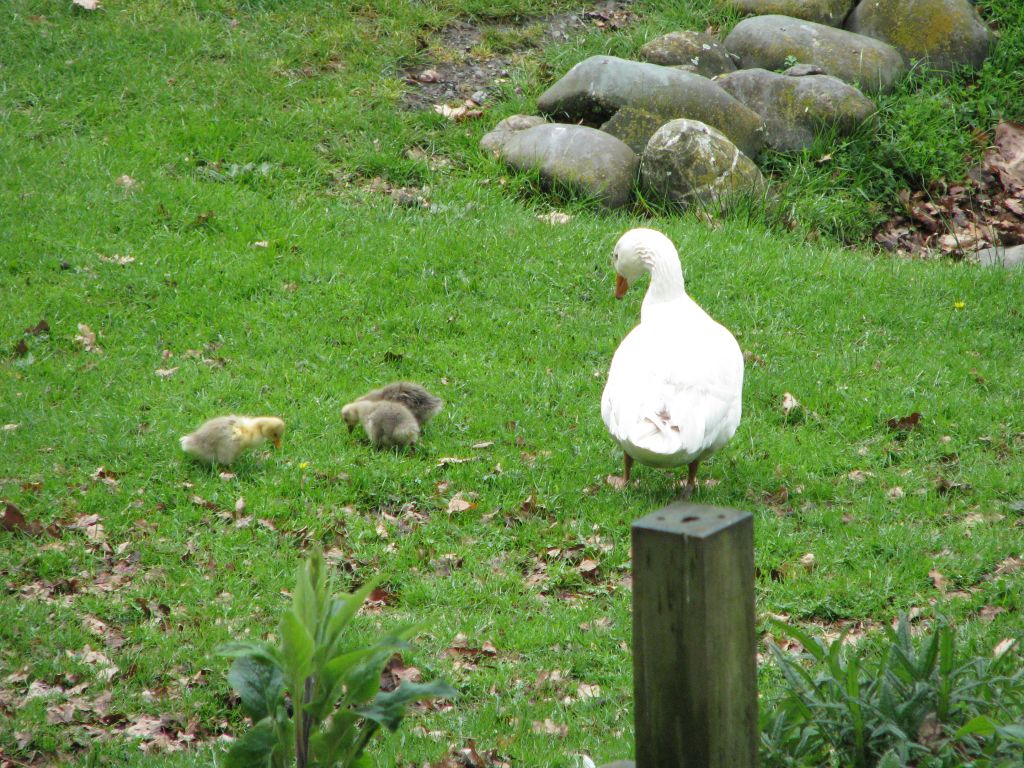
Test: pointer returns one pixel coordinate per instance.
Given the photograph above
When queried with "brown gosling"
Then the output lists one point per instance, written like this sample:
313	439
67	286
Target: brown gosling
423	405
222	440
387	424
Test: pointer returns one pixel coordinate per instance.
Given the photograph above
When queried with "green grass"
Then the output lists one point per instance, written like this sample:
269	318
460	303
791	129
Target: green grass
272	117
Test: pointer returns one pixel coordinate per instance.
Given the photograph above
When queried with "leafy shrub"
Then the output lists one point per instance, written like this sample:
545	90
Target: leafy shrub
919	704
314	701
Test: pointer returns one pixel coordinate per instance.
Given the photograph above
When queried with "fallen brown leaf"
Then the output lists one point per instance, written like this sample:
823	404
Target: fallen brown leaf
459	503
39	328
395	673
904	423
13	519
445	461
550	727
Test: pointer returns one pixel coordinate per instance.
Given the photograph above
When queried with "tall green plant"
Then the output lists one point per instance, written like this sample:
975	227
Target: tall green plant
315	701
919	703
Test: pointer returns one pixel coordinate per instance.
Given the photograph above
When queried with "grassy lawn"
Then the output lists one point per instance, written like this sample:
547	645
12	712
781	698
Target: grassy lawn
271	276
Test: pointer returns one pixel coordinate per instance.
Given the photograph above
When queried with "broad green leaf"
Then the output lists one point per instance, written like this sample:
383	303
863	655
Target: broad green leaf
388	709
811	645
982	725
253	750
328	745
349	605
363	680
1012	732
296	646
259	685
253	648
304	600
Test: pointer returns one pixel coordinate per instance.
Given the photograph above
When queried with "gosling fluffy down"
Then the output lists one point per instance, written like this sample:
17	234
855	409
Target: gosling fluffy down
423	405
222	440
387	424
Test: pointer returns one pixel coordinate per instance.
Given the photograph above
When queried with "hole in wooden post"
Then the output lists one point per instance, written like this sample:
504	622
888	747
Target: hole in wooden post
661	519
721	517
690	519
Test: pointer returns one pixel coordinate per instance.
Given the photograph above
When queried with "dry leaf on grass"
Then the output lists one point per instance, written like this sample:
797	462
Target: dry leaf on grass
904	423
446	460
166	373
1003	646
41	327
87	338
395	672
789	403
937	579
12	519
615	481
121	261
1007	158
550	727
459	503
457	114
555	217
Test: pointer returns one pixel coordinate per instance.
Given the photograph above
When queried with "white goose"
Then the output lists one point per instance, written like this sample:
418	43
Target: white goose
675	385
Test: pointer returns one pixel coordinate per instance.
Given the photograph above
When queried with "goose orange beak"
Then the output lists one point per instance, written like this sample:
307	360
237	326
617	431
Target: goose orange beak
621	286
277	443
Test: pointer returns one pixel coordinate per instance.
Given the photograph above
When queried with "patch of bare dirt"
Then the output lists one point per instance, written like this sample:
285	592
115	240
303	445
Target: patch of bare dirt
465	61
959	219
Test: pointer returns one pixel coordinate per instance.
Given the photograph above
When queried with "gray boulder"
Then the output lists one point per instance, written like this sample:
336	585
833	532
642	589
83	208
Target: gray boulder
1001	256
803	70
494	140
634	126
831	12
598	87
768	41
581	158
687	162
696	52
948	33
796	109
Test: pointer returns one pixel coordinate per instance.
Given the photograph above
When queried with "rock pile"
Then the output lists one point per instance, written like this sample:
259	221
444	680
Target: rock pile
688	123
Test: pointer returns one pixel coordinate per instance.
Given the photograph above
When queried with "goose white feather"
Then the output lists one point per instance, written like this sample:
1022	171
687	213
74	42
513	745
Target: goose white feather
674	389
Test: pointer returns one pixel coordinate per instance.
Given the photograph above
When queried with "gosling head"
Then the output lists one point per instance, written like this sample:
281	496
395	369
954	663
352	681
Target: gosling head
271	428
635	253
353	413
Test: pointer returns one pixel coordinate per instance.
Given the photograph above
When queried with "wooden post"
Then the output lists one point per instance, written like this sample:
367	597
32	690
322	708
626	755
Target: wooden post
694	641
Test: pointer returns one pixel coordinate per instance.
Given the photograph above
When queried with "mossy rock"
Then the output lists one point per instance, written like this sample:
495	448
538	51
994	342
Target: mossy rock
946	33
796	109
634	127
689	163
831	12
698	52
771	42
598	87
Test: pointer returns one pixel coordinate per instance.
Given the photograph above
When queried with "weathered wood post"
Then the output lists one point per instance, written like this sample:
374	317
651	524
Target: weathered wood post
694	639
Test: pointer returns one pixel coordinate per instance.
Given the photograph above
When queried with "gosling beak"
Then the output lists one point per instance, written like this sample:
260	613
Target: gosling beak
621	286
277	443
350	428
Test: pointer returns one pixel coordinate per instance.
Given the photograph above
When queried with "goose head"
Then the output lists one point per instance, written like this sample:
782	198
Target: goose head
637	252
270	428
